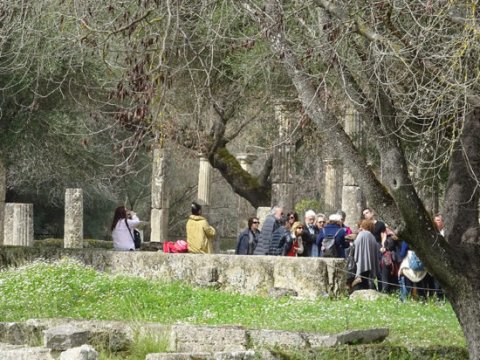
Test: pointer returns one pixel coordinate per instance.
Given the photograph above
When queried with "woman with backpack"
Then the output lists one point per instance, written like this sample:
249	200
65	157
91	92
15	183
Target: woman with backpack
331	239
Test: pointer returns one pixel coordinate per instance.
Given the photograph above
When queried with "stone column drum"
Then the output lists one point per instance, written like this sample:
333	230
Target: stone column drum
18	225
282	167
333	185
204	181
245	210
353	200
159	211
73	229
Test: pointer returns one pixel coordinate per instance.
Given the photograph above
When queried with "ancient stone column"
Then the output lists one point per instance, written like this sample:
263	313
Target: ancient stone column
245	210
73	228
18	224
333	185
204	182
159	211
282	168
262	213
205	173
3	191
353	200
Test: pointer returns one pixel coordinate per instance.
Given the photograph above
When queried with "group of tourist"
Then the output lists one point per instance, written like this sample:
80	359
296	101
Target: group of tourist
376	257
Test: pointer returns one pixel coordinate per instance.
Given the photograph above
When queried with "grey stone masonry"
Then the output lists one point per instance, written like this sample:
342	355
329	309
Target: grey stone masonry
18	352
64	337
183	341
180	356
282	165
204	180
84	352
18	225
308	277
187	338
245	209
262	213
160	204
73	234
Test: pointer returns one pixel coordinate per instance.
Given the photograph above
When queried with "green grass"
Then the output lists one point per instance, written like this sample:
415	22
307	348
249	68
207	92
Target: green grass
69	289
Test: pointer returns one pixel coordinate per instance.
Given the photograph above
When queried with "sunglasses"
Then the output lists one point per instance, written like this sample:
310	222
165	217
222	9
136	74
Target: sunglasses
255	222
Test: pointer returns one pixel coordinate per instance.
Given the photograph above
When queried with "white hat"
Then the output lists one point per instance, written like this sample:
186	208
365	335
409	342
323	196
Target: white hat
335	217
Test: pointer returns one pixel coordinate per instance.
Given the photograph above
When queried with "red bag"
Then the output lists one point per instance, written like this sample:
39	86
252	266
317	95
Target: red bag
179	246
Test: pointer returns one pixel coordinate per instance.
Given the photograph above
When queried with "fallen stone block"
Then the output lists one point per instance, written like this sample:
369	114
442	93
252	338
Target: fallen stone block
19	333
273	338
367	295
362	336
84	352
180	356
18	352
235	355
64	337
186	338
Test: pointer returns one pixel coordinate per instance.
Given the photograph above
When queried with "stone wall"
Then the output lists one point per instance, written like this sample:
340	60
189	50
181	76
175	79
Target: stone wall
308	277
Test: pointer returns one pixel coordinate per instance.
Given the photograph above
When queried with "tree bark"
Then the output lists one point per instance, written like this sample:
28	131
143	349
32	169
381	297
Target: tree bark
453	260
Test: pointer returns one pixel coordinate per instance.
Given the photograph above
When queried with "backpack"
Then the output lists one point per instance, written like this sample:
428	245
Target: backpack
414	262
351	264
329	249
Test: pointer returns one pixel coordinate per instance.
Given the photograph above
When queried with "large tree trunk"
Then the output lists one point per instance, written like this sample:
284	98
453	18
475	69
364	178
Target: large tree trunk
465	303
454	260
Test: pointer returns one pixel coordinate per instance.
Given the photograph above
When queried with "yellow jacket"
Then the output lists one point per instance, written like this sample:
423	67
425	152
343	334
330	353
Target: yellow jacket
199	235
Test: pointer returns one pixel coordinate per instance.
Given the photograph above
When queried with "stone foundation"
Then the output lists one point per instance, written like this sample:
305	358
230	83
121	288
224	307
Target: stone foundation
308	277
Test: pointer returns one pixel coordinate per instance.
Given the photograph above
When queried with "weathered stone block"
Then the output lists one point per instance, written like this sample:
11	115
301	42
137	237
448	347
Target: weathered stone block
84	352
73	227
180	356
274	338
64	337
18	224
185	338
17	352
362	336
235	355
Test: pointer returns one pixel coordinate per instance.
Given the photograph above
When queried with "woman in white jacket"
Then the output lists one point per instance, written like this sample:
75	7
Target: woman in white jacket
122	234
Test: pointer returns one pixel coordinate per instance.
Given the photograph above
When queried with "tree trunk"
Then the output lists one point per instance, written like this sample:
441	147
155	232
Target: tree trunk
465	303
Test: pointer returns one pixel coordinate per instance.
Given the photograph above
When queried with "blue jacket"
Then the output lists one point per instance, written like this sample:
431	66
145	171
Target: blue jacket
340	243
244	247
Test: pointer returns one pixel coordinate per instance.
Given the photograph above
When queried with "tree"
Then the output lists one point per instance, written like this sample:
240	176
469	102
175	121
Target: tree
411	70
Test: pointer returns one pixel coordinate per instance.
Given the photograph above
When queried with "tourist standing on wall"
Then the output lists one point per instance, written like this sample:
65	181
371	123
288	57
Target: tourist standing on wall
248	238
122	229
200	234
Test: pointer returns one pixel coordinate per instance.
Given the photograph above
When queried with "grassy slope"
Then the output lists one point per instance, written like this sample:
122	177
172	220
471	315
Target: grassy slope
68	289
